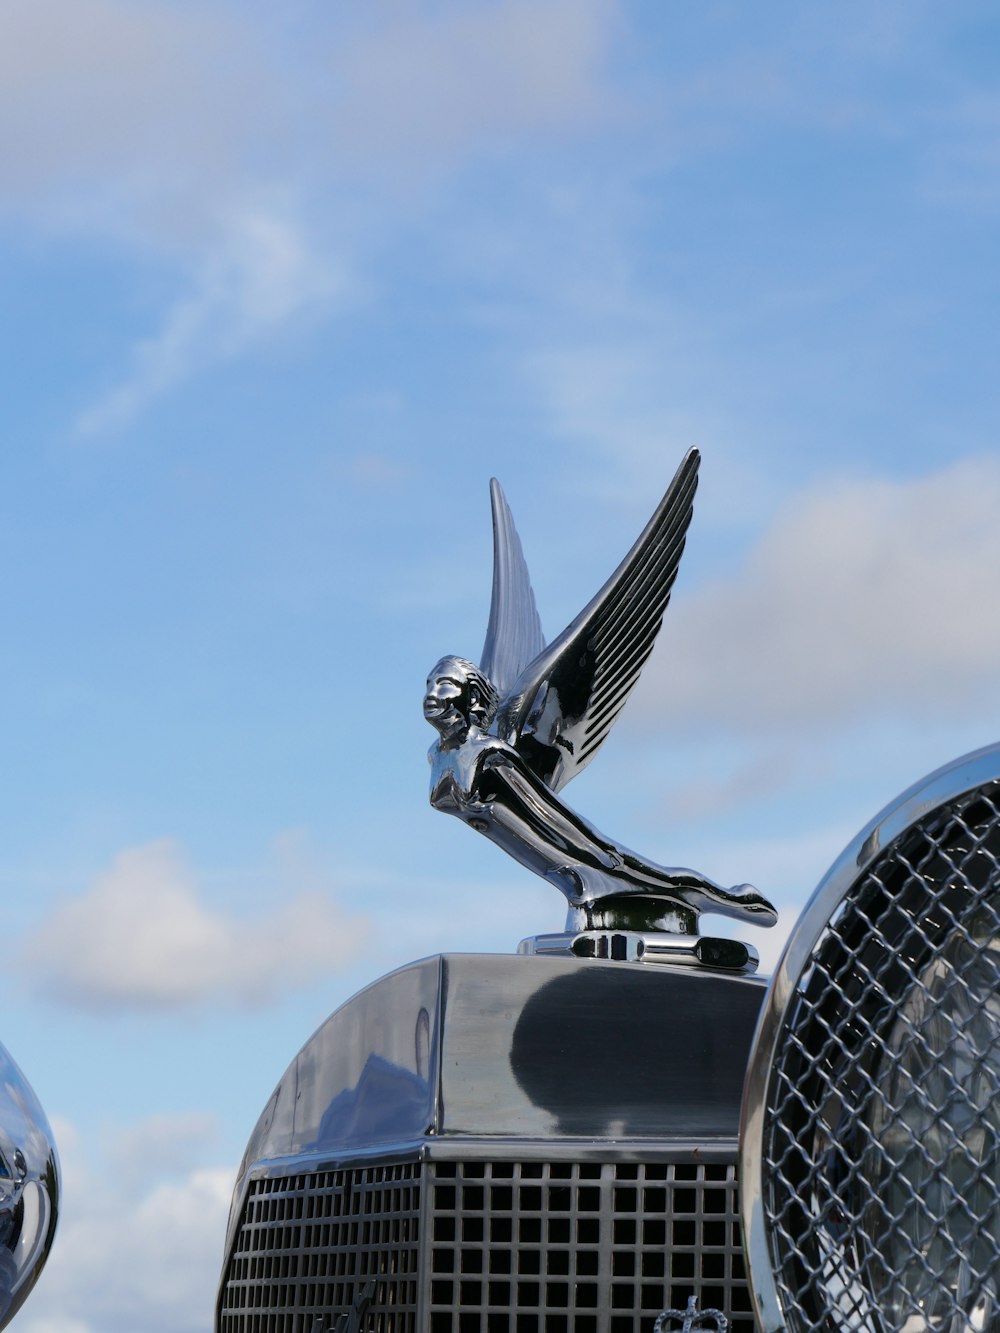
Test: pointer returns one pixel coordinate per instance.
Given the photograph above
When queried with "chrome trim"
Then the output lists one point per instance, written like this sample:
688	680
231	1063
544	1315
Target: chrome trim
475	1149
531	1059
632	946
939	788
29	1188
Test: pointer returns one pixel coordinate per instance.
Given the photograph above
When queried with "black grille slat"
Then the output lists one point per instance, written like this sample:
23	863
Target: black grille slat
597	1247
313	1245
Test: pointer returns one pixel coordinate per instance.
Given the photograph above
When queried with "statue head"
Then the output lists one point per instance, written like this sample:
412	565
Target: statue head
459	696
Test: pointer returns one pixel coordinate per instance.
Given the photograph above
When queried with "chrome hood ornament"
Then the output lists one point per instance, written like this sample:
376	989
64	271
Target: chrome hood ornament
515	729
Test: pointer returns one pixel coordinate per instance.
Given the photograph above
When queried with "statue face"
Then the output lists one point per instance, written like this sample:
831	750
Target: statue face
446	703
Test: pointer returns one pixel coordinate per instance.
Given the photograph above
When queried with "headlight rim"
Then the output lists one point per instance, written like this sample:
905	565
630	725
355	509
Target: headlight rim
946	784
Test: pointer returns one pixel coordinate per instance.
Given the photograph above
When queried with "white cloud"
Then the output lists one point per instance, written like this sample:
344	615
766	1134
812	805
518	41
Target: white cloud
179	1138
129	102
262	275
864	596
624	397
134	1249
143	937
430	87
125	112
157	127
60	1324
265	160
633	398
764	771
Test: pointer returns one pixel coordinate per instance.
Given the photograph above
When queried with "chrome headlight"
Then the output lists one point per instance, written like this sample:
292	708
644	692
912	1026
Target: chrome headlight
870	1160
29	1188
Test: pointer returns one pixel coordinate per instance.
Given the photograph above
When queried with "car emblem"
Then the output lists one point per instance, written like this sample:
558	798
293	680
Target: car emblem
351	1321
691	1318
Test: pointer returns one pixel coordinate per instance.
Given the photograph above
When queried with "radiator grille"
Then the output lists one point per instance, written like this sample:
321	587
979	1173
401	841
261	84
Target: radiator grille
590	1247
311	1247
507	1247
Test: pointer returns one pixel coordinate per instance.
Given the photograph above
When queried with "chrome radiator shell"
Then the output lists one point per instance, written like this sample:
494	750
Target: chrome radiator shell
500	1143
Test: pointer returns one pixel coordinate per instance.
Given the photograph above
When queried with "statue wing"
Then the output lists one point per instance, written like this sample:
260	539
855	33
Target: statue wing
514	633
566	699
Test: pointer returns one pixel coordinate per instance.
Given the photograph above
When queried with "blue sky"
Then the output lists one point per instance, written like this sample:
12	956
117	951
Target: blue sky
282	287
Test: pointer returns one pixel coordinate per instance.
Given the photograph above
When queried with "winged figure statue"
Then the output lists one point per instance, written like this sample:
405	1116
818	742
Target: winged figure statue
515	729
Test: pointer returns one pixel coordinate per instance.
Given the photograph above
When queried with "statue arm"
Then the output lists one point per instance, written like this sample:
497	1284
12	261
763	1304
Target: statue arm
529	822
526	807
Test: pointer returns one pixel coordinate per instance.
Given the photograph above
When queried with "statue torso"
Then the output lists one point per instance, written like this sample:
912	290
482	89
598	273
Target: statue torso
455	774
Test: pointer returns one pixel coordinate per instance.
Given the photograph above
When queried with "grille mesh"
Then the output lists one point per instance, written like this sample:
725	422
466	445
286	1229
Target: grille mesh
592	1247
880	1156
507	1247
312	1246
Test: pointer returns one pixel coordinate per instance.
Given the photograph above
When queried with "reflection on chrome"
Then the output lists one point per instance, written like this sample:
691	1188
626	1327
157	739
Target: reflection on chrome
935	1210
29	1188
870	1158
838	1275
515	728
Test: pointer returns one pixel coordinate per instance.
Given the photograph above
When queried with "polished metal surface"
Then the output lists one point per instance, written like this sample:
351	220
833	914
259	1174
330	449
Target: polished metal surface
442	1246
634	946
870	1158
574	1119
29	1188
514	730
461	1044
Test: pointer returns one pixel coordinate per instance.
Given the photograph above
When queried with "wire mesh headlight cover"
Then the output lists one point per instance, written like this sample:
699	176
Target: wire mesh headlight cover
870	1153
